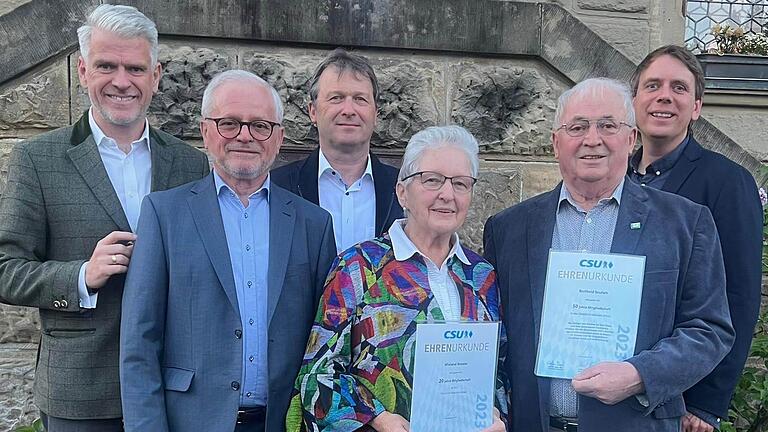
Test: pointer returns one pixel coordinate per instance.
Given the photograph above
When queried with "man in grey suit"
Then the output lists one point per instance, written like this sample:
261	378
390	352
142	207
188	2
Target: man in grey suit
225	280
684	326
68	211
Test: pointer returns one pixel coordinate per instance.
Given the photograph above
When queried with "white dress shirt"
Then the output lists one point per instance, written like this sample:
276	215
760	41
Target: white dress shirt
131	178
441	284
353	207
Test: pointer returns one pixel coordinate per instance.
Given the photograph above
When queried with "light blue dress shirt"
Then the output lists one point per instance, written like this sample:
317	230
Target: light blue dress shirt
352	207
247	231
579	230
131	177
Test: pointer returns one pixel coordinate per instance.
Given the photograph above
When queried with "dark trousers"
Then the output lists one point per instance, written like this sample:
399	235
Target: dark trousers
56	424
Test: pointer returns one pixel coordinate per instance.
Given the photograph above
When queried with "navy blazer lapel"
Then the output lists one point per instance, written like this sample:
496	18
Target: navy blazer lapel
631	222
282	218
87	161
307	181
204	205
540	227
384	187
684	166
162	160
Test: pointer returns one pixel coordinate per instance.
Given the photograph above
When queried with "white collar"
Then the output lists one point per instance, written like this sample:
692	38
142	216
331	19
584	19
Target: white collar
98	134
323	166
404	248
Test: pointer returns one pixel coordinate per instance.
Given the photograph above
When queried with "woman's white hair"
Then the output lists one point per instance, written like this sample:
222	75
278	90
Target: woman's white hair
599	88
124	21
243	76
436	137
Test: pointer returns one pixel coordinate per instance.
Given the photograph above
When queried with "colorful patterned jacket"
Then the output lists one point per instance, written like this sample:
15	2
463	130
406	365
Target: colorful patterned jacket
359	355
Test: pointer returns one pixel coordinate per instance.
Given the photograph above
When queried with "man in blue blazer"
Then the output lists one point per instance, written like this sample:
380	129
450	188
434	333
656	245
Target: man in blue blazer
684	328
342	175
224	281
668	87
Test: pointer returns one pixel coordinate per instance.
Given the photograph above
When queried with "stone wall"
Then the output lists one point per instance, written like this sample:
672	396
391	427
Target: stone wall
498	75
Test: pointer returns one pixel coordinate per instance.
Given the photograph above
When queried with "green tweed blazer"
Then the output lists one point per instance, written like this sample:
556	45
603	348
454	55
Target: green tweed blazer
58	202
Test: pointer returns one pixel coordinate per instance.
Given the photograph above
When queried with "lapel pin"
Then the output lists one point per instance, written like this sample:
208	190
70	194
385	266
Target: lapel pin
634	225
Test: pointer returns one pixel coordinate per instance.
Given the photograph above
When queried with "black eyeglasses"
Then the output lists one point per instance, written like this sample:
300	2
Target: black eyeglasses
229	128
605	127
434	181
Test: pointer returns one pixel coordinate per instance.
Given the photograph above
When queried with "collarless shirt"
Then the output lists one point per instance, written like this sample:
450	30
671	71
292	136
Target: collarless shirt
247	232
441	284
352	207
579	230
131	178
656	174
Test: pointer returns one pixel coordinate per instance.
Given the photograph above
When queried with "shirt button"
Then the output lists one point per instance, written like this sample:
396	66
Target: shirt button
250	283
250	359
250	321
658	172
235	385
238	333
333	172
248	394
247	247
245	215
589	220
346	193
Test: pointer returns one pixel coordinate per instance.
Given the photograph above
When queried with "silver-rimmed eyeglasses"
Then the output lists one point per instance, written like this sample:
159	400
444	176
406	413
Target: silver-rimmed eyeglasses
434	181
230	128
605	127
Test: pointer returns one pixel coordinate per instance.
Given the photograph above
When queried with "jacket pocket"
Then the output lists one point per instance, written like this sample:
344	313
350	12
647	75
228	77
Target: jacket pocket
69	333
672	408
177	379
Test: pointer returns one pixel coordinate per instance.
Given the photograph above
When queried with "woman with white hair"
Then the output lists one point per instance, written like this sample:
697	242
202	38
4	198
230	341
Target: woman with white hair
357	370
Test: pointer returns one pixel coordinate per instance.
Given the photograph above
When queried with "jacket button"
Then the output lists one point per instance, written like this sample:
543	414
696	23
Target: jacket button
56	304
238	333
64	303
235	385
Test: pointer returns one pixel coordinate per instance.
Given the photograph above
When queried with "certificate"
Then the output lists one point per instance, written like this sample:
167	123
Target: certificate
454	376
590	311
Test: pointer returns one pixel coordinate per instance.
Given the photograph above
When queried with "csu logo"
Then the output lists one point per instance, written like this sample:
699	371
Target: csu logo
591	263
457	334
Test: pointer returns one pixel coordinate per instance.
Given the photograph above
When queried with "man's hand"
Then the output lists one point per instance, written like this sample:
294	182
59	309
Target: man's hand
111	256
498	425
609	382
691	423
388	422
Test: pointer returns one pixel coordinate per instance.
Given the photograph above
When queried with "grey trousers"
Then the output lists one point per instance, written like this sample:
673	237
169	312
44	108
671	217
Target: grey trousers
56	424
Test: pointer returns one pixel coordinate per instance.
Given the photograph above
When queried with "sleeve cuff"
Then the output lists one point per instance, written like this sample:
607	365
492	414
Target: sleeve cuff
87	300
710	419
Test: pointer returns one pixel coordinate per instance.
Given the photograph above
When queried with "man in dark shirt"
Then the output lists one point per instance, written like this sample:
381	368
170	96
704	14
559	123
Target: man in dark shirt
668	86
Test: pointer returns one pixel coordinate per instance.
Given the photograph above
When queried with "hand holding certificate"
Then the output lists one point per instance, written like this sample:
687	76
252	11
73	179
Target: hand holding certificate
454	376
590	311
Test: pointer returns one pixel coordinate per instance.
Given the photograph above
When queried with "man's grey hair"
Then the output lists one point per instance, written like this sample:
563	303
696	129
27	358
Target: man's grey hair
598	88
344	61
437	137
245	78
124	21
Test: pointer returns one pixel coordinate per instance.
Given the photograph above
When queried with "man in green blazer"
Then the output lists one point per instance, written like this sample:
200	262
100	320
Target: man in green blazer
68	214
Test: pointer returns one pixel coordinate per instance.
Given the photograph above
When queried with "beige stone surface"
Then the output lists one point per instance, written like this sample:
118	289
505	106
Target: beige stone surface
6	146
35	102
624	6
745	125
17	371
630	36
9	5
508	106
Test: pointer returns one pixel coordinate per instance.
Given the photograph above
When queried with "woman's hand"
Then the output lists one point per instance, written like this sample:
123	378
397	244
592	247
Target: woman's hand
388	422
498	425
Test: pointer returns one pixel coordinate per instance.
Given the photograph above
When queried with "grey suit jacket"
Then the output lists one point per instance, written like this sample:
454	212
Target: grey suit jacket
57	204
181	352
684	328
